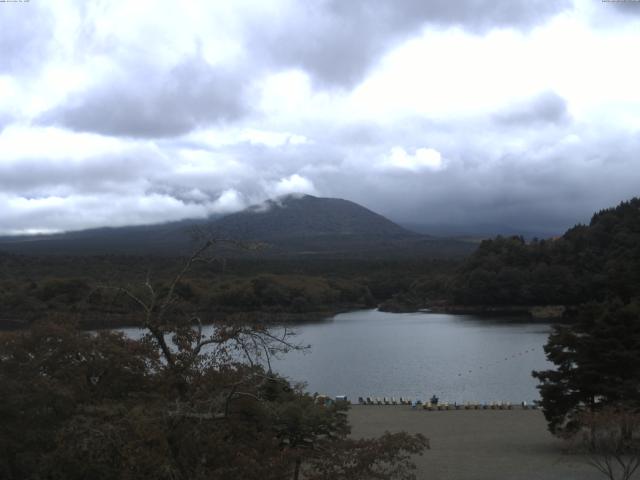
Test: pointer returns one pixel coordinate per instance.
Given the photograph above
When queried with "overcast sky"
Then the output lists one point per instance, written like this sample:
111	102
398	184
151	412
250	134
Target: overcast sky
518	113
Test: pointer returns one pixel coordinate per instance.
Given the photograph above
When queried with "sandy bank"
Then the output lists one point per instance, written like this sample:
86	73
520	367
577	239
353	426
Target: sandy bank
478	444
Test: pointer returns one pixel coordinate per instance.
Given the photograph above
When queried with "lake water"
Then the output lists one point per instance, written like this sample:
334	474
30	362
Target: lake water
456	357
459	358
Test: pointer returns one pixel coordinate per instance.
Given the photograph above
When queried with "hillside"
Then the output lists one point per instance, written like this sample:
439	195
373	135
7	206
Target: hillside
292	225
307	216
589	262
165	238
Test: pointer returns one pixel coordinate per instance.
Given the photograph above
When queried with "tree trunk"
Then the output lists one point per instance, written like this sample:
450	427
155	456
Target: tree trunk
296	471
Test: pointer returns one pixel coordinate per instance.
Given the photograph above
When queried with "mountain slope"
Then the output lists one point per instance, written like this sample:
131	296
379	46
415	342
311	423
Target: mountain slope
291	225
589	262
306	217
165	238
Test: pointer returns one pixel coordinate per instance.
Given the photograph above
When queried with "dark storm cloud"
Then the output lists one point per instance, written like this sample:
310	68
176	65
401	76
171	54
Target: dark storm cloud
471	14
337	41
334	42
25	34
546	108
624	8
147	102
539	180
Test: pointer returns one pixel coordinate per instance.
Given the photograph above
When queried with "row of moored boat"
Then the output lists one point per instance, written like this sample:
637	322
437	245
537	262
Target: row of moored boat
444	405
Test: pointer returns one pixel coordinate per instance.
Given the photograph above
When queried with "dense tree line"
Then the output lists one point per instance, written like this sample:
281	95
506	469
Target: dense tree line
589	262
276	289
593	390
266	293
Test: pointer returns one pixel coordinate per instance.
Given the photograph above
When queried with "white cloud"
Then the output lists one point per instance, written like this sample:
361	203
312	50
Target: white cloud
75	212
229	201
272	139
24	141
224	137
195	195
292	184
422	159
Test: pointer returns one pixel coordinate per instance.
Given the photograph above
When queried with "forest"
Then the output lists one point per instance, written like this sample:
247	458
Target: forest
598	261
275	289
595	262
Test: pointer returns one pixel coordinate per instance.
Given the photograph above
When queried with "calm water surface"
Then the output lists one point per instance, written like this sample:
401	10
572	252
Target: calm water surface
457	357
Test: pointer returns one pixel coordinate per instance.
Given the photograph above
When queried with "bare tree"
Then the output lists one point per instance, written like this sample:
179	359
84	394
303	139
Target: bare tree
611	439
179	333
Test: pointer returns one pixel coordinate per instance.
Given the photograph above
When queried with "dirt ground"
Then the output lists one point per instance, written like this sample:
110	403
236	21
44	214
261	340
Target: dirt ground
478	444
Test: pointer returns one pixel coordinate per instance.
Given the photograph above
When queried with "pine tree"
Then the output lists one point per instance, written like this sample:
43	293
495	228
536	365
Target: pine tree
597	364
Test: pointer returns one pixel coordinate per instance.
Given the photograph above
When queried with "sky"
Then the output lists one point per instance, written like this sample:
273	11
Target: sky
516	113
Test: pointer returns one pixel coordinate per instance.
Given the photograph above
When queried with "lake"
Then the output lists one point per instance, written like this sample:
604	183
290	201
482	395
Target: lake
456	357
459	358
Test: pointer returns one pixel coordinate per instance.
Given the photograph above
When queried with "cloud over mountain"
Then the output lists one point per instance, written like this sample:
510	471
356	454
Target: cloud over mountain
512	112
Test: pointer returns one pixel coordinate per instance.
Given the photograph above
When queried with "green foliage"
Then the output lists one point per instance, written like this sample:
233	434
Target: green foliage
587	263
275	292
76	405
35	287
177	404
597	363
63	290
52	373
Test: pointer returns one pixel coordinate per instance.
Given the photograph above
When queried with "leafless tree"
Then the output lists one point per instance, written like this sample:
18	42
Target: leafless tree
611	439
180	337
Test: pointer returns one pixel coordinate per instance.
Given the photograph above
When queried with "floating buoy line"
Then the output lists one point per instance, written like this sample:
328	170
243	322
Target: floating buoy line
437	405
498	362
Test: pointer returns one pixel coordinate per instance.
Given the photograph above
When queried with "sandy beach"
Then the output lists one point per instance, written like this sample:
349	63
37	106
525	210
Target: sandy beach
478	444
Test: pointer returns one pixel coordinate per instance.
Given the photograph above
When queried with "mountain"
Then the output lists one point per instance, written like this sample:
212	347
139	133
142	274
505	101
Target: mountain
290	225
164	238
307	216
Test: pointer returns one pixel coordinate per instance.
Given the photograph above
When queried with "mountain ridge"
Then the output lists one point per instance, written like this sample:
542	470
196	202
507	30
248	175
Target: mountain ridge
289	225
294	216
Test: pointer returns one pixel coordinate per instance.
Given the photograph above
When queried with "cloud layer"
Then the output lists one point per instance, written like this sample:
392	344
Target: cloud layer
521	114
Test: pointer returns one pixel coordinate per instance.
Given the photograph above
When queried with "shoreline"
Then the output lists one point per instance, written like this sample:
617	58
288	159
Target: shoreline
533	313
129	320
105	321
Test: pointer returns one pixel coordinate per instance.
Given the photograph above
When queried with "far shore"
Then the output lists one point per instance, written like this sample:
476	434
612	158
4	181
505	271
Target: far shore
530	312
105	321
94	321
478	444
